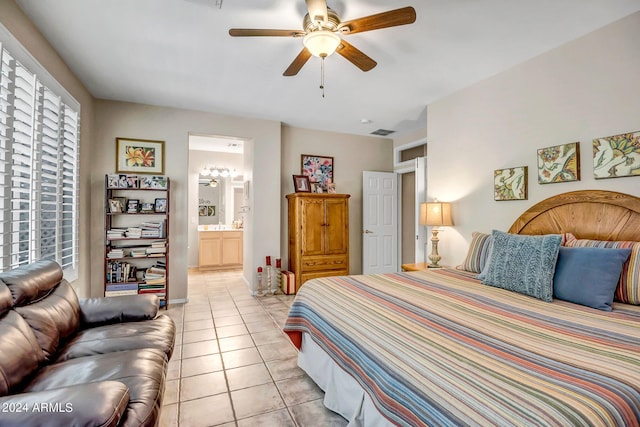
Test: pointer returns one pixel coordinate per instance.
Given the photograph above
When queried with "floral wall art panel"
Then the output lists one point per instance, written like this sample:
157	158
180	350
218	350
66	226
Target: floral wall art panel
560	163
139	155
510	183
616	156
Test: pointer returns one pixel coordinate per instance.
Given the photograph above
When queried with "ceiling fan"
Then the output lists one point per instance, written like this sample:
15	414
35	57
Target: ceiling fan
323	30
208	182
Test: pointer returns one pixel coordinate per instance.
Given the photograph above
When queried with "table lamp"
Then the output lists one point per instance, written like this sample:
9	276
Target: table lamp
437	215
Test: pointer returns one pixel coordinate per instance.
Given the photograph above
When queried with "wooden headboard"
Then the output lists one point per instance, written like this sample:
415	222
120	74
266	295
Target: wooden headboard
588	214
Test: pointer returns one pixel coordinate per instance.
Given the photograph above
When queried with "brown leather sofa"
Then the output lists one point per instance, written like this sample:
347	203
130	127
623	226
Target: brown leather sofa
91	362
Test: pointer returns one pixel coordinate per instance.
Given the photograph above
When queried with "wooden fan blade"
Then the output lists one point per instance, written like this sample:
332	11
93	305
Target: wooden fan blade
249	32
297	63
317	10
392	18
356	56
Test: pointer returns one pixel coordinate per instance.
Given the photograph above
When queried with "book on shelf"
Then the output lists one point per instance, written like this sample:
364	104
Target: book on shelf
115	253
119	272
116	233
120	293
138	252
133	232
122	287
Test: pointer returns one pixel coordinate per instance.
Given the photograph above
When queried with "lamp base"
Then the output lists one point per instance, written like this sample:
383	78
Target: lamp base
434	257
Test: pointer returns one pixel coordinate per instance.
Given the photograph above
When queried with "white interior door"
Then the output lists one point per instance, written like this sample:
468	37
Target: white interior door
379	222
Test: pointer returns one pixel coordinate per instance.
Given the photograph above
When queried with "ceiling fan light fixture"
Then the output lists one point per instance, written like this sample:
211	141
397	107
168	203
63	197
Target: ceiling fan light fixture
321	43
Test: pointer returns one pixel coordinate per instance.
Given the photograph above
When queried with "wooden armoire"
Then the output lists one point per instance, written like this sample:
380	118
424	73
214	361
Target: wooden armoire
318	235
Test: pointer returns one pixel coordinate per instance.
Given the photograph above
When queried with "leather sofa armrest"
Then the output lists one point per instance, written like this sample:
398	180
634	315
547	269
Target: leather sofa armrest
94	404
120	309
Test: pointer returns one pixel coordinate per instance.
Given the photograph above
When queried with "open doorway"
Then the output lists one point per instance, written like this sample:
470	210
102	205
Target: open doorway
216	179
411	165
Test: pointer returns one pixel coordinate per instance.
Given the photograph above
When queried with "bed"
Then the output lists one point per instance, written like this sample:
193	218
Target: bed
439	347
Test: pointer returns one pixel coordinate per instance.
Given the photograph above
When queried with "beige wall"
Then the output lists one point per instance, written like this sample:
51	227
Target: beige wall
120	119
352	155
24	31
408	138
586	89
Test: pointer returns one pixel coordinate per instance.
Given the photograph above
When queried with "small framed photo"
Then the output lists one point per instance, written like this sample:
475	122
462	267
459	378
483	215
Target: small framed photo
113	181
123	181
301	184
316	187
132	181
139	156
156	182
133	205
147	207
160	205
116	204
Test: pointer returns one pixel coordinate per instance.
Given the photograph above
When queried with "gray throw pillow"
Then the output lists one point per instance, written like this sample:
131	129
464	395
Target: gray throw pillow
523	264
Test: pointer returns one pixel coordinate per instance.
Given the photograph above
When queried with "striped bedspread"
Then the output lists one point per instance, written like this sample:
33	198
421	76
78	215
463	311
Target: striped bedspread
438	348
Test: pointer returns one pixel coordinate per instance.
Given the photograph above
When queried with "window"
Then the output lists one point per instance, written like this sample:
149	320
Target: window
39	142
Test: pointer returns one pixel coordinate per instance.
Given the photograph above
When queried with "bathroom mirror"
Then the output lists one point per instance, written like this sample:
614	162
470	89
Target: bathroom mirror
211	200
219	200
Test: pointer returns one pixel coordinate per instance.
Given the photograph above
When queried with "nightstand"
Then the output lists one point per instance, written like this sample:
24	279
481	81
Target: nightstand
414	267
419	266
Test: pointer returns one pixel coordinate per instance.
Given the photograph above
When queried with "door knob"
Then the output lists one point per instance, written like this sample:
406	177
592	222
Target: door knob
368	232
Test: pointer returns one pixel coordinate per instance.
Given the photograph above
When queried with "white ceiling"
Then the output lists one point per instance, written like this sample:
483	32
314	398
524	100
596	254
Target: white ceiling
178	53
216	143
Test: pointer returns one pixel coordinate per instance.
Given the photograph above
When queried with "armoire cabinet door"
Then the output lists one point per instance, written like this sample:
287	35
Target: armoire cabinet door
336	227
313	219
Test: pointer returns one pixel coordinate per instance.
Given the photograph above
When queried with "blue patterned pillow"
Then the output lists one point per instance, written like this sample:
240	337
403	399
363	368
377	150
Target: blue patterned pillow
589	276
523	264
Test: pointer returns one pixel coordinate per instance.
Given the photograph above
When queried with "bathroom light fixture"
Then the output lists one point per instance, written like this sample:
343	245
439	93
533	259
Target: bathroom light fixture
216	172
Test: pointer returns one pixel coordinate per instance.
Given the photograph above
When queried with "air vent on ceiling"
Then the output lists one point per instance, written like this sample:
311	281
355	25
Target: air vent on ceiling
382	132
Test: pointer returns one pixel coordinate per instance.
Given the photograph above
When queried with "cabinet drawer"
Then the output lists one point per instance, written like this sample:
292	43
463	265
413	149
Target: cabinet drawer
324	263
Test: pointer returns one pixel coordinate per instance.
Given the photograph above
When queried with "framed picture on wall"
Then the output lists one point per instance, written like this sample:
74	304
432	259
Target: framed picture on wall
139	156
560	163
317	168
617	155
510	183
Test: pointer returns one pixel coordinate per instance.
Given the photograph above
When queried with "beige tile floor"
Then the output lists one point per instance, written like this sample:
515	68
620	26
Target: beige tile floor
233	365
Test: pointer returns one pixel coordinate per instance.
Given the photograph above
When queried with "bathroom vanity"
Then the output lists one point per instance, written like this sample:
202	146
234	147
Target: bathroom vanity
219	248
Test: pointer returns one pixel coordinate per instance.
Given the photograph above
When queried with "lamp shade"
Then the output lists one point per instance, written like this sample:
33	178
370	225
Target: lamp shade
321	43
435	214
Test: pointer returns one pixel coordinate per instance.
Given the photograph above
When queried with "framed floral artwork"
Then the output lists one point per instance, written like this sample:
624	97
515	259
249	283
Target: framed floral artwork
510	183
560	163
317	168
616	156
139	156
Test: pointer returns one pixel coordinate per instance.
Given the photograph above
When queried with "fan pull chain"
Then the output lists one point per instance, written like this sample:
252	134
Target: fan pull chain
322	75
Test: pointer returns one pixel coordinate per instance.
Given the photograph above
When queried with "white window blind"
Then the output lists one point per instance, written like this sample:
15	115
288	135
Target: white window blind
39	142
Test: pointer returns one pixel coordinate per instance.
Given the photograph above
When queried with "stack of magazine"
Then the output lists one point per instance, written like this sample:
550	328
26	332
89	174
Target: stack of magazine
155	281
